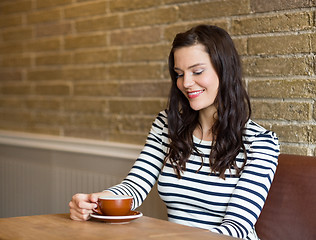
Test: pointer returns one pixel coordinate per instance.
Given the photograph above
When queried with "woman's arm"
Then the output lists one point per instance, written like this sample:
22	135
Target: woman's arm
251	191
147	167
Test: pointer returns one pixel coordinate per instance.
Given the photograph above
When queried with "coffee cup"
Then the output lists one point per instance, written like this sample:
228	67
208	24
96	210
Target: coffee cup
117	205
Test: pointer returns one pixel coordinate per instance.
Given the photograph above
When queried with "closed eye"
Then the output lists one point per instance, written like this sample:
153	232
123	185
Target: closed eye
198	72
179	75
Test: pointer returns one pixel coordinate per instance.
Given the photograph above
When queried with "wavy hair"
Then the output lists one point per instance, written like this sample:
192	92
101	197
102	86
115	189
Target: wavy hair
232	101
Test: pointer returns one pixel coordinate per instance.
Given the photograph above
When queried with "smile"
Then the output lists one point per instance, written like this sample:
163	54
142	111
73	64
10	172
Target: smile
195	94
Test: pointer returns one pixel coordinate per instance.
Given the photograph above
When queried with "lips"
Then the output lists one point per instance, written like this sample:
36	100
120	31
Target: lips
195	94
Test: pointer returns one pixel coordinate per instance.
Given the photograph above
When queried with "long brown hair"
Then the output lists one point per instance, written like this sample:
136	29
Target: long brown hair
232	101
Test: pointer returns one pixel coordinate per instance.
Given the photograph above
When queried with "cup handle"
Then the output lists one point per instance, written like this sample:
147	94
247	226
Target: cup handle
97	209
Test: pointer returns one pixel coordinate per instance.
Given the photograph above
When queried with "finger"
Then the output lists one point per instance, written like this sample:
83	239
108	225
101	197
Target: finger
74	215
81	201
94	197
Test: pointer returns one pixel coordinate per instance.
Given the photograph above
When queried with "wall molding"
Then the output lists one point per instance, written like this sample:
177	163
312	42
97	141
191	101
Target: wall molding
69	144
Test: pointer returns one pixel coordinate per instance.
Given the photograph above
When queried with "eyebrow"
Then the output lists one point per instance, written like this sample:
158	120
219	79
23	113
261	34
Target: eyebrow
192	66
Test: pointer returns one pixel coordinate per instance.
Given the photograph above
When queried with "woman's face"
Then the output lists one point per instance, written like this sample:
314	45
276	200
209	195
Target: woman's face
197	78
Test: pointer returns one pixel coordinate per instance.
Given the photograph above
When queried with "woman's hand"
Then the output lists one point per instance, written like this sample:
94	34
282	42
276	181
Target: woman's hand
81	205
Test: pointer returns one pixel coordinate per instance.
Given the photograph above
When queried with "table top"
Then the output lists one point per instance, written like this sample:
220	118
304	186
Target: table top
60	226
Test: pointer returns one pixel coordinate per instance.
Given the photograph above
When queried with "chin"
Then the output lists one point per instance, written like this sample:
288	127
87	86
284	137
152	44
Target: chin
196	108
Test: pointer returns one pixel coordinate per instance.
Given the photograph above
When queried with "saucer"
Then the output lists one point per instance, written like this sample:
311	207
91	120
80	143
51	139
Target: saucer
118	219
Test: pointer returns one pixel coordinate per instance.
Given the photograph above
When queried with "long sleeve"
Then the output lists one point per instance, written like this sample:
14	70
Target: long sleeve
251	191
147	167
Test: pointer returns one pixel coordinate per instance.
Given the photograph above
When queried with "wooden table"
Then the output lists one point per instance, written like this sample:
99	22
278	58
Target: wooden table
60	226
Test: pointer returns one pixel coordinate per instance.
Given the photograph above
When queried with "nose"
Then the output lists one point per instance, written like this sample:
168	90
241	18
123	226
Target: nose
188	80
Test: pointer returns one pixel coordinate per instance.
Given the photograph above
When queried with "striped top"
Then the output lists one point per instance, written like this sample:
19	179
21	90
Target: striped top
200	199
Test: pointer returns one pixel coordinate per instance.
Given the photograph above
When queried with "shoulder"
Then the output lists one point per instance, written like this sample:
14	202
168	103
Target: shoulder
159	127
260	139
161	120
253	129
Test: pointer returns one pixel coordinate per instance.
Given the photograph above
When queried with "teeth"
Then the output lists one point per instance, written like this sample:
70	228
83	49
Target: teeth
195	93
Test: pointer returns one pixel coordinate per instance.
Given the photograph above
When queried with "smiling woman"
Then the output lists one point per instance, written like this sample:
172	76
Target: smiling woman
213	164
198	80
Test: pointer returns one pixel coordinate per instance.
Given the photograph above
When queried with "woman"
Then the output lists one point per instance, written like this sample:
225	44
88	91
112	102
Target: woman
214	166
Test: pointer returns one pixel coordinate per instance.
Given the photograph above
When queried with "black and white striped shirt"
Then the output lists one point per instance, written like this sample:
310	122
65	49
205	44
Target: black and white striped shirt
200	199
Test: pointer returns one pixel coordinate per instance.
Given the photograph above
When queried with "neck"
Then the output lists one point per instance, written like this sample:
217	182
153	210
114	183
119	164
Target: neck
206	119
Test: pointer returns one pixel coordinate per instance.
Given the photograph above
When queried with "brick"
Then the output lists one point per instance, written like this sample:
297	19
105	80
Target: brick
98	56
150	17
53	29
145	53
16	61
272	23
241	45
58	89
135	106
52	3
277	66
44	16
132	138
11	75
271	5
312	134
91	73
49	118
47	130
131	123
85	9
10	21
16	7
99	24
44	75
297	150
11	47
175	1
127	5
292	133
213	9
13	118
95	40
53	59
20	34
313	41
141	71
288	44
96	89
44	45
12	103
43	103
92	120
171	30
145	89
296	88
281	110
136	36
84	105
16	89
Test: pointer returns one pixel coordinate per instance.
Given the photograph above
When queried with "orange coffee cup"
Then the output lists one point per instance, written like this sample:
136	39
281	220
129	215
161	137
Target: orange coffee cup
117	205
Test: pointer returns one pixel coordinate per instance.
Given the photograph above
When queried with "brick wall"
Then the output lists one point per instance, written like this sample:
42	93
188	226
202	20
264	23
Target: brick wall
98	68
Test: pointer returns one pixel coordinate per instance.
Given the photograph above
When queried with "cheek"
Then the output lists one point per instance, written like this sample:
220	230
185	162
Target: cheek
210	82
179	84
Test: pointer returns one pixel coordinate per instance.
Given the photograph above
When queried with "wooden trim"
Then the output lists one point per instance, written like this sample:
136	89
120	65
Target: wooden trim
68	144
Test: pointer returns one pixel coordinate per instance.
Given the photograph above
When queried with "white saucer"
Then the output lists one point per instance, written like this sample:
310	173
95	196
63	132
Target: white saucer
118	219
